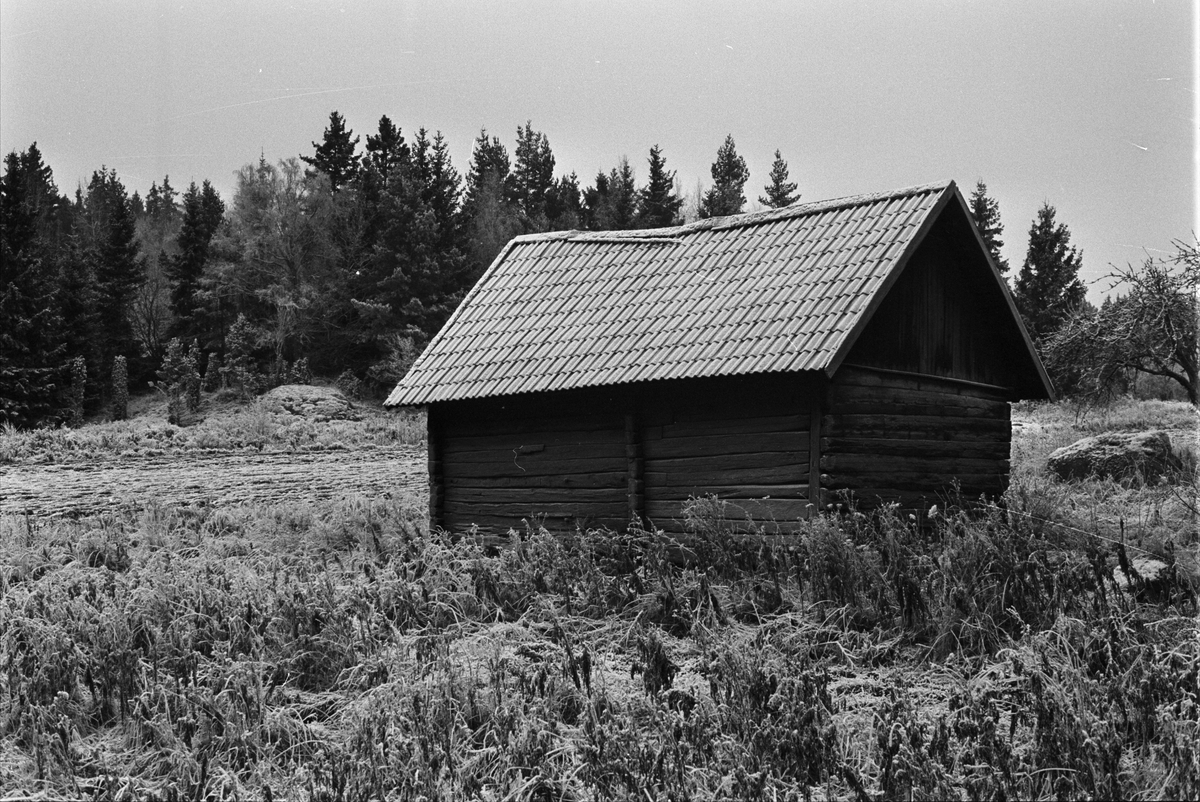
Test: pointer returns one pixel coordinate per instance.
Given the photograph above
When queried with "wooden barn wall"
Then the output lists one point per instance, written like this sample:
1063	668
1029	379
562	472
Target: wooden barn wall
945	316
907	439
746	439
601	457
558	458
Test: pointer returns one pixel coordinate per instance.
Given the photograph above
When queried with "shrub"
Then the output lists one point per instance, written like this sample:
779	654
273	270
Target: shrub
191	383
212	373
120	389
77	389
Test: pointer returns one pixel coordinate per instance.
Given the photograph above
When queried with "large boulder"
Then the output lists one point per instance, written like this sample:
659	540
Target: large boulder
1135	456
307	401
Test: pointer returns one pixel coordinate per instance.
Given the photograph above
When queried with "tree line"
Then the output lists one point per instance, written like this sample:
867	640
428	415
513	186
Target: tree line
341	263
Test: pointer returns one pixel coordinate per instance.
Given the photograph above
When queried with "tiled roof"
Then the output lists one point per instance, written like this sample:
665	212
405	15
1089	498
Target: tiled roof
764	292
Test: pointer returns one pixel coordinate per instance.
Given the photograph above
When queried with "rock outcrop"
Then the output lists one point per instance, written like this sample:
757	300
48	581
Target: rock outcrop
307	401
1132	456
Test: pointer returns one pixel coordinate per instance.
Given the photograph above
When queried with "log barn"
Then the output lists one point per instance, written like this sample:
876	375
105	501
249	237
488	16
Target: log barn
589	379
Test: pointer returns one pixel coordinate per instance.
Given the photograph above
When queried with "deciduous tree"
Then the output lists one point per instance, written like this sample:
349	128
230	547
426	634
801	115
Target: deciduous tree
1151	329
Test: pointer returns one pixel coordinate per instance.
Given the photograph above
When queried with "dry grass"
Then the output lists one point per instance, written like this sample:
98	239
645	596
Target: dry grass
222	425
343	652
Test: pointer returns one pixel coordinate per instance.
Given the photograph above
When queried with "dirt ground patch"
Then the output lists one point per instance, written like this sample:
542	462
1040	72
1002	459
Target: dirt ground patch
84	487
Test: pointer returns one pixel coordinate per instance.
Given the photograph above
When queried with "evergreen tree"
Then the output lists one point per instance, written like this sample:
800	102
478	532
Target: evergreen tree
532	178
612	203
118	269
780	192
729	172
564	204
1048	288
440	187
335	156
986	213
490	220
30	350
203	211
386	150
660	204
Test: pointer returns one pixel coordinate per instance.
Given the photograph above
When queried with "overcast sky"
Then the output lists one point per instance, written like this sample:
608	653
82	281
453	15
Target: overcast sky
1087	105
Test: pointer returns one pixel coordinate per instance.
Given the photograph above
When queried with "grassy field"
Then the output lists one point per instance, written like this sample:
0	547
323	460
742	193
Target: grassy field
335	649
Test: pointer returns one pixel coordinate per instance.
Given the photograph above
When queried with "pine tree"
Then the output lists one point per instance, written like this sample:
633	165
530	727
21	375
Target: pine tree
727	194
660	204
780	192
1048	288
335	156
532	178
986	213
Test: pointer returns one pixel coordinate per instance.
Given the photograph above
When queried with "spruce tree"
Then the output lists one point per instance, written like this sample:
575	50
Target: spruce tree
612	203
203	211
660	204
386	150
780	192
532	177
118	268
727	194
490	220
986	213
1048	288
335	156
564	204
30	348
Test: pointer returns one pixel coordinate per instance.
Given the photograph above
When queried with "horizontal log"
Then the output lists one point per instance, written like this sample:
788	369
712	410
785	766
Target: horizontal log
526	496
795	461
549	452
911	480
865	376
763	443
759	510
884	396
916	408
769	475
902	421
832	463
726	490
464	509
729	423
502	424
553	481
932	449
506	441
527	466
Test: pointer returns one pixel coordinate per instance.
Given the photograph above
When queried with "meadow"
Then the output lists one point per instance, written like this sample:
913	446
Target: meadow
1043	645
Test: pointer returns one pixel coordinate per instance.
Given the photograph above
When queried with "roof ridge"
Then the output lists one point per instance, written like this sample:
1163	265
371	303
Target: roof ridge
673	233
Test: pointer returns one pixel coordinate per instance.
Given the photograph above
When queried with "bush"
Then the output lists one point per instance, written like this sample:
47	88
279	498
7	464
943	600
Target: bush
120	389
77	390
